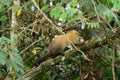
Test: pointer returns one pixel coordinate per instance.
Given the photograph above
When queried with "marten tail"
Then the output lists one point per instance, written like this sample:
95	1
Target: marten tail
40	60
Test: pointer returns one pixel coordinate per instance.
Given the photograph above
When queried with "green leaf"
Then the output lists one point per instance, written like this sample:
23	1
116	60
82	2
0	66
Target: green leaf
38	1
15	50
118	5
45	7
44	1
8	64
3	58
80	12
6	2
100	63
73	20
74	3
78	78
118	22
15	66
63	16
52	13
16	60
93	25
7	39
16	57
3	18
71	11
2	9
55	13
3	38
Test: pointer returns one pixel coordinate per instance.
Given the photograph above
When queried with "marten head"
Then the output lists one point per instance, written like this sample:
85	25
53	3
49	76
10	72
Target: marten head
73	36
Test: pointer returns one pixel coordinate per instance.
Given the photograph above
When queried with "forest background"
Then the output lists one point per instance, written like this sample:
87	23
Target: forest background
28	26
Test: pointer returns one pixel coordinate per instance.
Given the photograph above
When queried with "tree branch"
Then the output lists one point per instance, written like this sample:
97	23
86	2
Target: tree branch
93	43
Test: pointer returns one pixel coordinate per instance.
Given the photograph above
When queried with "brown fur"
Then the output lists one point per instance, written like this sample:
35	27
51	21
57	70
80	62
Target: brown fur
57	46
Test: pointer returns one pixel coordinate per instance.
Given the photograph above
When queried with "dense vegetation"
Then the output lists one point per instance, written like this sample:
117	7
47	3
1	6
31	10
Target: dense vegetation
27	27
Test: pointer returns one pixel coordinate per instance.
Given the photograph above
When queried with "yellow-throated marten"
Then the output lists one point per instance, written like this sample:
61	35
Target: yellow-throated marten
58	44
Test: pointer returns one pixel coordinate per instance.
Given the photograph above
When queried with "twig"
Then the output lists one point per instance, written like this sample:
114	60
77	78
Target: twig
108	23
84	56
113	65
30	46
118	67
46	16
95	10
26	28
29	30
5	29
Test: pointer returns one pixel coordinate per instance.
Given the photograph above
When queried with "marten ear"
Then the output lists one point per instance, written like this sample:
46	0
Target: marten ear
74	31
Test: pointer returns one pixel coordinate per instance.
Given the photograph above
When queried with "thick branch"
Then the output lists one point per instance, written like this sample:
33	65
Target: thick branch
93	43
102	40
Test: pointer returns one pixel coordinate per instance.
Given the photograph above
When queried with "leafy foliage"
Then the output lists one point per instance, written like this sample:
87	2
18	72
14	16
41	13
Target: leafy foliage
93	25
72	11
88	14
9	56
4	4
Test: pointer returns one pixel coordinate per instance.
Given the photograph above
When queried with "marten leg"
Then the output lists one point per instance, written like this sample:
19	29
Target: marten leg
60	52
